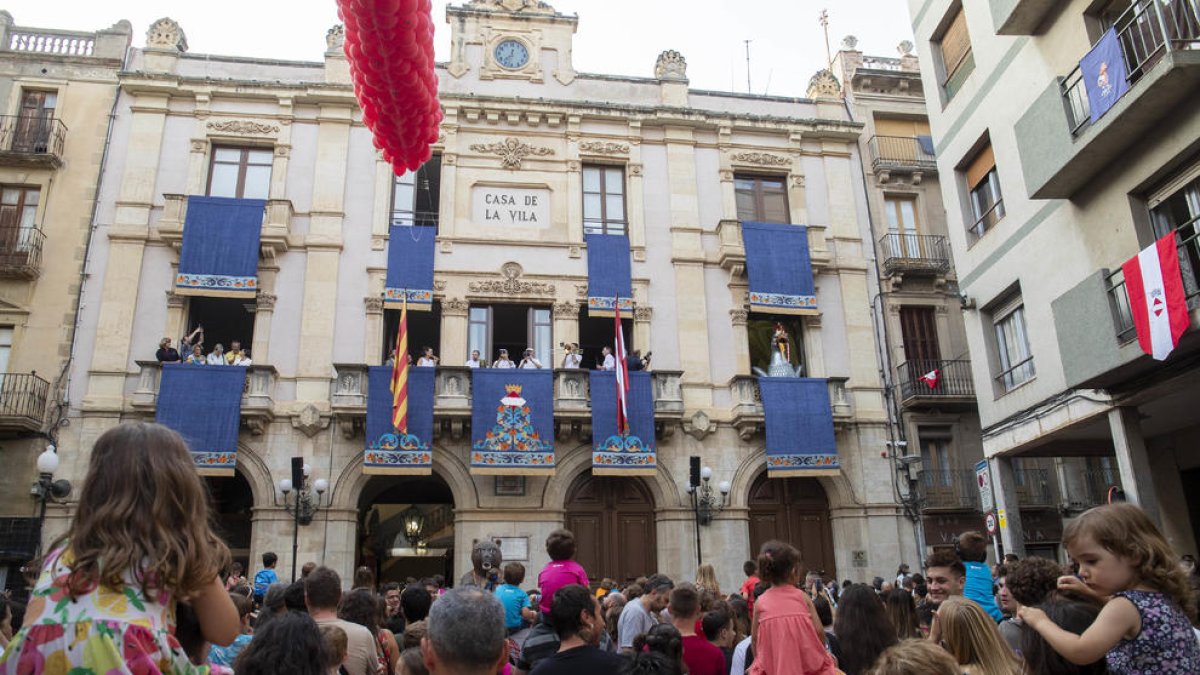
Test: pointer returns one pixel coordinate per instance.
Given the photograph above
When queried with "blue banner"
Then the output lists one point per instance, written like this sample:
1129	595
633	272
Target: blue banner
512	421
219	255
388	451
799	425
613	454
1104	74
779	267
609	274
410	267
204	405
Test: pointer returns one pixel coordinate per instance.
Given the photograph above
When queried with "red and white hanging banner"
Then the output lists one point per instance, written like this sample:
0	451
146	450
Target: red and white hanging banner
1156	297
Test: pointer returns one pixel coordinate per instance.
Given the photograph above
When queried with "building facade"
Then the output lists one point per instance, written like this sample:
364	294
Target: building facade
58	89
1046	198
675	169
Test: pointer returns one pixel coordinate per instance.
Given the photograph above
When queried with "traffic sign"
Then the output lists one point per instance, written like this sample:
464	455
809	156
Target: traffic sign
991	523
983	476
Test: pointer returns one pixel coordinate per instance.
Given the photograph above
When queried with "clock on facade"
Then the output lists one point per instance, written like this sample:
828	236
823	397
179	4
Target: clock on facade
511	54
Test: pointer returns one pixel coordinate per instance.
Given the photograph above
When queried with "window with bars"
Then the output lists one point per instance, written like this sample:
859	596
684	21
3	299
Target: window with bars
416	195
242	173
604	200
1014	356
983	185
762	198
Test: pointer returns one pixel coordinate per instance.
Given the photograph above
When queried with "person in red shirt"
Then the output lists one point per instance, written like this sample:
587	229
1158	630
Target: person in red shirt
750	568
701	656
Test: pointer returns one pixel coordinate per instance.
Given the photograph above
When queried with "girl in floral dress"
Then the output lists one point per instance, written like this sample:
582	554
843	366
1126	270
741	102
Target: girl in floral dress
140	541
1143	628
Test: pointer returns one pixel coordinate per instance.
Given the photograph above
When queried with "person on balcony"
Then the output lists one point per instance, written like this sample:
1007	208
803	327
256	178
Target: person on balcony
243	358
572	359
474	362
196	358
428	359
187	342
217	356
607	362
234	353
503	361
530	361
166	353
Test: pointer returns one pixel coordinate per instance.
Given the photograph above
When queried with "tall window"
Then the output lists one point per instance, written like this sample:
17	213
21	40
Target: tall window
18	213
762	198
514	328
604	200
244	173
1014	356
760	331
6	340
35	121
936	462
955	46
918	329
1175	207
983	183
902	226
416	195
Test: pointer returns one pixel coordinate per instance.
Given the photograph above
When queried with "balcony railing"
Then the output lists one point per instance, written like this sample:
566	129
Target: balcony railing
949	489
1188	242
1146	31
905	253
748	408
258	394
900	153
924	379
32	139
23	398
1090	488
1036	487
20	247
57	43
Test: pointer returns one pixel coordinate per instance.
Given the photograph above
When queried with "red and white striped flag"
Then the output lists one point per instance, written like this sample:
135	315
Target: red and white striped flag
400	367
932	378
622	371
1156	297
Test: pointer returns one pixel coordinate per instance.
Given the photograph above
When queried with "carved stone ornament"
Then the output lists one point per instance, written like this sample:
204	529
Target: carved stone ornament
603	148
335	37
455	307
512	284
698	425
738	316
309	421
635	169
581	290
824	85
373	305
439	285
166	34
512	151
671	66
762	159
905	48
265	301
566	310
849	43
174	299
521	6
243	127
642	313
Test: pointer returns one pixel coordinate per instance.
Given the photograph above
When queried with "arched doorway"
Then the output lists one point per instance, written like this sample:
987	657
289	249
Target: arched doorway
387	508
613	522
795	510
233	505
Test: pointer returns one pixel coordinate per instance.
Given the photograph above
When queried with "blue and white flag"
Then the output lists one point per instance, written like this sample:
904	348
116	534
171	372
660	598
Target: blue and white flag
1104	74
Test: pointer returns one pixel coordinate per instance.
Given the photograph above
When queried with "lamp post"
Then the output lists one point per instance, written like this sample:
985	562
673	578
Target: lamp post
705	503
414	526
46	489
303	505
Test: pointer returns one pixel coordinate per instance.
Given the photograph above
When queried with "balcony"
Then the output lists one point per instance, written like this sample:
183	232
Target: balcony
452	401
23	398
258	397
731	255
1036	488
949	490
936	383
1062	150
273	238
20	247
901	155
748	409
914	254
32	141
1020	17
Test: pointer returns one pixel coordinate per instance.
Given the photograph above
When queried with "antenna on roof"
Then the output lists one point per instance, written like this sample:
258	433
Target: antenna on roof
824	19
748	89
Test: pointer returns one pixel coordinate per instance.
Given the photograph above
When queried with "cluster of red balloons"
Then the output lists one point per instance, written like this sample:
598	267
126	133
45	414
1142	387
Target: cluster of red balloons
389	44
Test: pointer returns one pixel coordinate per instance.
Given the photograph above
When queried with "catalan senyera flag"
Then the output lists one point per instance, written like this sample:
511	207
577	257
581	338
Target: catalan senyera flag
400	368
622	371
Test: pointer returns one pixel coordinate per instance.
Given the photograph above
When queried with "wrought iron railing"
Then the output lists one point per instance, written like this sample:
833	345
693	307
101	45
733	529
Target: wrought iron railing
928	378
949	489
910	152
1145	31
32	135
20	247
23	395
1092	488
1187	238
905	252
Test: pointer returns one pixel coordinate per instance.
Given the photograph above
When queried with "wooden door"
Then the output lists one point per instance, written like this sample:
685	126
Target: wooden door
612	519
918	329
33	123
794	510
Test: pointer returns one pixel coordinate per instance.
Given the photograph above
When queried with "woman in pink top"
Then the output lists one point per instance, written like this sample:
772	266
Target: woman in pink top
561	570
785	632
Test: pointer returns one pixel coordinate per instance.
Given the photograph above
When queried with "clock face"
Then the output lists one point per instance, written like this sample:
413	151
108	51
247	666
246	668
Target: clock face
511	54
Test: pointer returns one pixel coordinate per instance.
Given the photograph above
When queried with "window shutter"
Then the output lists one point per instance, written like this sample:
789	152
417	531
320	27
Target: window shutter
956	43
979	167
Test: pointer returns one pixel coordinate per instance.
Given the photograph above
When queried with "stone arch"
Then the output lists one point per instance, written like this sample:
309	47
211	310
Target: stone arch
252	467
572	464
449	467
837	488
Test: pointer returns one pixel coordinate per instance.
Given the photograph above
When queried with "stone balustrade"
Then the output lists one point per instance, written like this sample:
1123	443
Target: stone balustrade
273	239
258	396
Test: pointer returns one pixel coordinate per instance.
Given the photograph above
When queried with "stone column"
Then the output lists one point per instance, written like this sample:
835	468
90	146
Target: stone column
641	328
176	320
283	151
1004	486
373	336
260	351
1137	478
454	332
566	323
814	348
741	341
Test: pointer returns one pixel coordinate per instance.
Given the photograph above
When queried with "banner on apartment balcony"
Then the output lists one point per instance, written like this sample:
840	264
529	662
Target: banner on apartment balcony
388	451
799	425
1104	74
615	454
219	256
609	275
410	267
780	271
512	421
204	405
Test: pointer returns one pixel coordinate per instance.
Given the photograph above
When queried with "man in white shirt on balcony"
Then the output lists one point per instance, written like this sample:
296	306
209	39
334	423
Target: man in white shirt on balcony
217	356
473	362
529	361
503	361
608	362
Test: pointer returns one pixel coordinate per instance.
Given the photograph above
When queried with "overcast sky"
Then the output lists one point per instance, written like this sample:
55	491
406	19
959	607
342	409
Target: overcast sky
620	37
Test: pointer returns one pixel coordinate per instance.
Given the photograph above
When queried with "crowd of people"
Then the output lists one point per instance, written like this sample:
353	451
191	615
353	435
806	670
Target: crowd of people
141	584
191	351
572	358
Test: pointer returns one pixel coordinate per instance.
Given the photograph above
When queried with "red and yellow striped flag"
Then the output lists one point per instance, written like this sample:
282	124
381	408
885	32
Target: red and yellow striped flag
400	373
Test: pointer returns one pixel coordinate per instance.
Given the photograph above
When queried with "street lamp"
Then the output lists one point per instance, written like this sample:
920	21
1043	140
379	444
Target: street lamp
45	489
705	503
414	525
299	501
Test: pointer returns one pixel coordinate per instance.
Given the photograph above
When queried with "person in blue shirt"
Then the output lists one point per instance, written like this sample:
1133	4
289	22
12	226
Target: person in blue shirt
972	548
265	577
517	609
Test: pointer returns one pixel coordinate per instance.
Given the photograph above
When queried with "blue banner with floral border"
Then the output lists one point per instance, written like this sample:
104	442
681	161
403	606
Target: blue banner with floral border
779	268
219	254
410	267
204	405
512	421
799	426
631	454
610	280
388	451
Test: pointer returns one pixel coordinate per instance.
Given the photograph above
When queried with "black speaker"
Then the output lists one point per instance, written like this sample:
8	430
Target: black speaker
298	473
694	472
